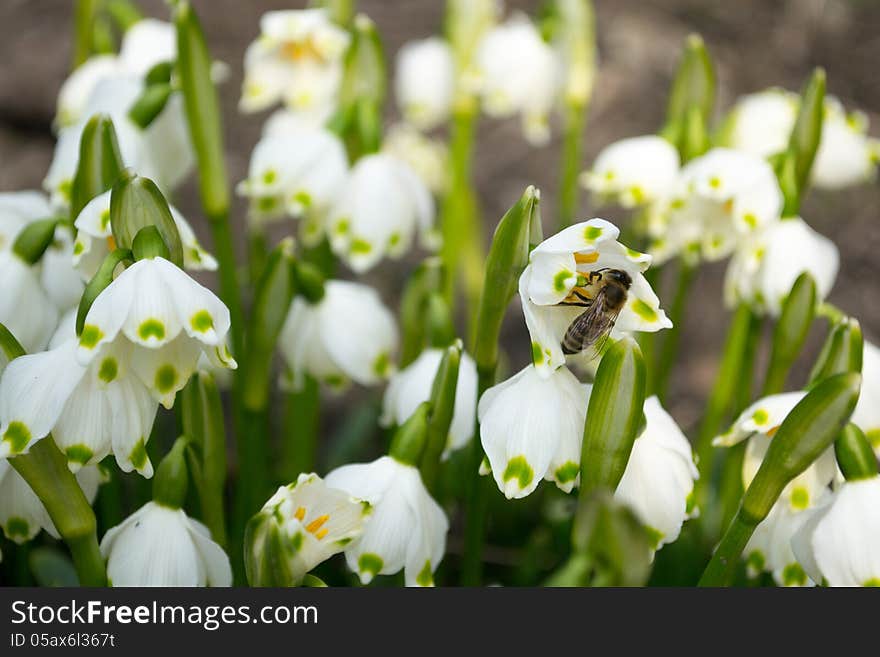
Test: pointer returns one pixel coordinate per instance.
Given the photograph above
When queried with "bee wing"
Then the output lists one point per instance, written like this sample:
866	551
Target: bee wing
591	326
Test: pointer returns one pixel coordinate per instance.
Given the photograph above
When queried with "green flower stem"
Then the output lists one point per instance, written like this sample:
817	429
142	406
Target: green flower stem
575	122
810	428
301	422
722	397
124	12
672	337
83	21
45	470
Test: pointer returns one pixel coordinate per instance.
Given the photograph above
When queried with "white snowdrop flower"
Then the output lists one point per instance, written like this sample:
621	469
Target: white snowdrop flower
317	339
719	198
77	88
22	514
427	157
146	43
840	542
761	123
296	169
161	546
161	152
769	549
765	266
91	410
25	307
867	413
296	60
17	210
379	211
846	155
759	423
634	172
94	239
519	73
659	477
57	274
425	82
167	320
407	529
412	385
317	520
532	427
566	269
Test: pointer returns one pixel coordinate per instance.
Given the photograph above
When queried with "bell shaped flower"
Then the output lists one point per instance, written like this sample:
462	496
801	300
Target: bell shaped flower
164	318
719	198
531	428
847	156
412	385
379	212
25	307
758	424
318	340
297	60
315	520
760	123
91	410
22	514
296	169
765	266
161	546
425	82
518	73
146	43
770	550
867	413
17	210
659	477
426	156
57	273
565	273
407	529
634	172
840	542
94	239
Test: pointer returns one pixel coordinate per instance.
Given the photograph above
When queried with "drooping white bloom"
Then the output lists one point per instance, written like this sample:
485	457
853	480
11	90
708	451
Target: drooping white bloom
769	549
57	274
74	94
761	123
160	546
22	514
840	542
412	385
867	413
425	82
659	476
407	529
91	410
25	308
379	212
519	73
560	267
846	155
634	172
296	169
427	157
318	340
17	210
296	60
719	198
759	423
161	152
94	236
318	521
165	318
532	427
765	266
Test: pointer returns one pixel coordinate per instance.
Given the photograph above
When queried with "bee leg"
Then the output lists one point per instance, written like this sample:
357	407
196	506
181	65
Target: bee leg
582	300
597	275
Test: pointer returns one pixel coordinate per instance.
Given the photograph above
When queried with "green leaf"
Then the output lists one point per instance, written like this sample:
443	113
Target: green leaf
807	132
137	203
99	164
11	347
202	111
443	407
614	416
102	278
51	568
408	443
790	332
842	351
33	240
854	454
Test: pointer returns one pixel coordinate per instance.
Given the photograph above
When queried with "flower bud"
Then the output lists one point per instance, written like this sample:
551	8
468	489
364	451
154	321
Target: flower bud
34	239
409	440
842	351
150	104
172	478
795	165
691	100
99	164
854	454
443	395
428	278
790	332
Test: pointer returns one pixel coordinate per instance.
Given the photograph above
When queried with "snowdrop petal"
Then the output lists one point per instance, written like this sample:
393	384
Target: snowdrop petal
634	171
22	515
764	416
25	307
425	82
867	413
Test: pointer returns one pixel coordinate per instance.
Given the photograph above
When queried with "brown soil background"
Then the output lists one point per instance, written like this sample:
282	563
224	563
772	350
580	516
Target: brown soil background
755	44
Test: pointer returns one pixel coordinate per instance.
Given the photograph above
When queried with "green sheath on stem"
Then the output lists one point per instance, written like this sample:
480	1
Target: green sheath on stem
99	163
790	333
442	409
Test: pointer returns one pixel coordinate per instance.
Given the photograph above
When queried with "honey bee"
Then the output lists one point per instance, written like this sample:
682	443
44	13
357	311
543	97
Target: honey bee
609	288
